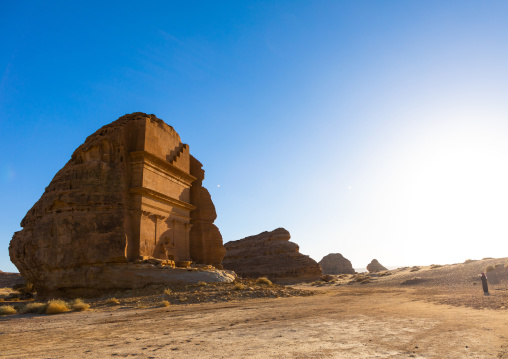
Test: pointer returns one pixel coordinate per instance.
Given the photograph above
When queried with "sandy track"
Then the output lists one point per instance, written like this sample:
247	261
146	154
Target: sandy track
340	323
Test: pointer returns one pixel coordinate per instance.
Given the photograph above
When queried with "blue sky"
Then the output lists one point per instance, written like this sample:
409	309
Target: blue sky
376	129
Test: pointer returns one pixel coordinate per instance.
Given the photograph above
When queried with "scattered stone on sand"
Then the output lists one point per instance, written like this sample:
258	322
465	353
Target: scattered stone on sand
272	255
375	266
130	193
335	263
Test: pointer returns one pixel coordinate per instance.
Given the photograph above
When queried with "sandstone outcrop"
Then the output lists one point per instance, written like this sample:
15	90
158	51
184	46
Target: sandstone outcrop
375	266
131	192
335	263
272	255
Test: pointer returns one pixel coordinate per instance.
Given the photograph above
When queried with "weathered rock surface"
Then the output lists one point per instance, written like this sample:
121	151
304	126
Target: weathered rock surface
205	239
128	192
92	281
272	255
335	263
375	266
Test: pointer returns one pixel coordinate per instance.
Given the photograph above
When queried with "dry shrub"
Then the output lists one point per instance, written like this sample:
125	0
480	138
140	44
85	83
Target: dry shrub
57	306
112	301
365	281
414	269
35	307
434	266
78	305
489	268
7	309
384	274
15	299
165	303
238	286
263	280
327	278
361	278
141	306
202	284
167	291
27	289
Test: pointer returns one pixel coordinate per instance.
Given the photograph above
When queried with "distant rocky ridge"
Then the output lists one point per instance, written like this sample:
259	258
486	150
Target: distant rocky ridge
375	266
272	255
8	280
335	263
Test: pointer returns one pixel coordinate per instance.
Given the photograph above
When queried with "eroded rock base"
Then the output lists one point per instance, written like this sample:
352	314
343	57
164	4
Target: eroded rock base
94	281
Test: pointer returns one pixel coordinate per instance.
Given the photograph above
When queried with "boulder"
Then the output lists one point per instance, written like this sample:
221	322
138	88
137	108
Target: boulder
131	192
271	255
335	263
375	266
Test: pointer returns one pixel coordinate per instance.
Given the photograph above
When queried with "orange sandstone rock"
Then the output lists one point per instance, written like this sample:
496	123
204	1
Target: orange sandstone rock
127	194
335	263
375	266
272	255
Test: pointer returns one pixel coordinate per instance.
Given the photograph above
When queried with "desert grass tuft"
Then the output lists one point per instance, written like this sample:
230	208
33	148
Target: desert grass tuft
112	301
35	307
434	266
165	303
238	286
7	309
414	269
489	268
78	305
167	291
141	306
263	280
202	284
57	306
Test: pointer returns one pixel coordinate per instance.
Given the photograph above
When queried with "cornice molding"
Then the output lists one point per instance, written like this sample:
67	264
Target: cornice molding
150	193
162	165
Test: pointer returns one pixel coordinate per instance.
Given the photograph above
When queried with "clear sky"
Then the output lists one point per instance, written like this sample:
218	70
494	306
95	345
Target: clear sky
376	129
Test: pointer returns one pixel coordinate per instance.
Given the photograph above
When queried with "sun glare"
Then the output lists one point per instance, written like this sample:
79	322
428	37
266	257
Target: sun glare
455	189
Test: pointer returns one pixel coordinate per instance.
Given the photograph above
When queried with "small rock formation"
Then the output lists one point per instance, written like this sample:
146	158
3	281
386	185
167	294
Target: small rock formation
132	192
335	263
375	266
272	255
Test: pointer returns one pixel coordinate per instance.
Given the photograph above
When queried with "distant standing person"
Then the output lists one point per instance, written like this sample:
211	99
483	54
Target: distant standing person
485	285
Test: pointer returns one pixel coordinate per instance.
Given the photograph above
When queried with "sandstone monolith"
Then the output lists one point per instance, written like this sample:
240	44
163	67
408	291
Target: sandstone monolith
272	255
335	263
126	209
375	266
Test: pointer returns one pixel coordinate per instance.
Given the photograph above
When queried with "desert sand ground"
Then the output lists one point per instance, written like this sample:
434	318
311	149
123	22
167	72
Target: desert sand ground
441	315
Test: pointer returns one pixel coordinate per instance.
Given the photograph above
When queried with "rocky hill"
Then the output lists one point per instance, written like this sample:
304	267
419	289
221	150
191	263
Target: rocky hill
272	255
335	263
